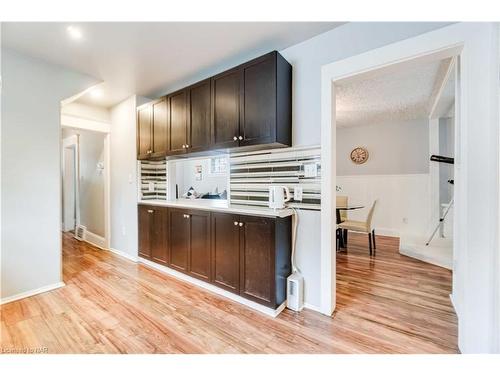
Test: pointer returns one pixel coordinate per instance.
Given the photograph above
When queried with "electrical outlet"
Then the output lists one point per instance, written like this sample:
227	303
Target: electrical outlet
297	193
311	170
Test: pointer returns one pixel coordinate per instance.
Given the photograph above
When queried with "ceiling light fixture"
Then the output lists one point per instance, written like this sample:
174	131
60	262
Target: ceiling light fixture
96	93
74	32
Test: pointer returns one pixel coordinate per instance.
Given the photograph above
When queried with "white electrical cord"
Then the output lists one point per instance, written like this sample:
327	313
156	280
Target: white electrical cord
295	223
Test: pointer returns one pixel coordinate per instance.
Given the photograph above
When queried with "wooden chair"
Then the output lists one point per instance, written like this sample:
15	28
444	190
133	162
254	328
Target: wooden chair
363	227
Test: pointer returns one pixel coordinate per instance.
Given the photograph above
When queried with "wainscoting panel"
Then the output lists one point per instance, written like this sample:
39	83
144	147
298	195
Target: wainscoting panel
403	206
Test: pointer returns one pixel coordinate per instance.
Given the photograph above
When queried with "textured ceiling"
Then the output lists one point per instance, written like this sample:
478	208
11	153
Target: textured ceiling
404	92
148	57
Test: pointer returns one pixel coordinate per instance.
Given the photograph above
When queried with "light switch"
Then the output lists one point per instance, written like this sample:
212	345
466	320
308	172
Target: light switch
311	170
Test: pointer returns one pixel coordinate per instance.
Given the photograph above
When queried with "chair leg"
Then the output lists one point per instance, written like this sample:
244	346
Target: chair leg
373	238
370	242
344	237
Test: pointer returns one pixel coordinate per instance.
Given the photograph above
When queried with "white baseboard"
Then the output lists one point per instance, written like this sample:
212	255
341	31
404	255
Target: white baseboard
212	288
31	293
124	255
95	239
312	307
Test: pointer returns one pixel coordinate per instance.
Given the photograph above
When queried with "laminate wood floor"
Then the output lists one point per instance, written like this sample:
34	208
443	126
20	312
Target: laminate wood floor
386	304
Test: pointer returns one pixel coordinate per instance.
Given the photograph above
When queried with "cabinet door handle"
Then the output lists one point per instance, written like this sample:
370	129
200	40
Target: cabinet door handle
187	146
235	223
235	138
150	211
183	146
241	224
186	216
240	138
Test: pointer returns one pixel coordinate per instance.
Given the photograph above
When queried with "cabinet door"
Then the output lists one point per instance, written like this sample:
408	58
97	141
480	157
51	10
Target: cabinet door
257	260
258	123
145	218
179	239
178	122
160	128
226	251
199	117
199	249
226	108
144	132
159	236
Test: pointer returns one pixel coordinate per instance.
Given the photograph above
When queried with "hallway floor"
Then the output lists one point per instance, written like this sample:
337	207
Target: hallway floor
387	304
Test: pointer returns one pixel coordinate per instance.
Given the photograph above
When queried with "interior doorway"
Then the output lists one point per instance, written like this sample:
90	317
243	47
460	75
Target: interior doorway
475	169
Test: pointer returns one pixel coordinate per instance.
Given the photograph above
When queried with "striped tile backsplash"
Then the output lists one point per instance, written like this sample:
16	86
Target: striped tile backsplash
152	179
253	172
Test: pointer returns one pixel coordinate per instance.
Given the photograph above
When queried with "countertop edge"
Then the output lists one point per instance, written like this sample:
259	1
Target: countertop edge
242	210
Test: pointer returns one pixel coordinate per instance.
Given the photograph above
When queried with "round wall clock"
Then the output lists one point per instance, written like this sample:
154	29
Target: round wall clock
359	155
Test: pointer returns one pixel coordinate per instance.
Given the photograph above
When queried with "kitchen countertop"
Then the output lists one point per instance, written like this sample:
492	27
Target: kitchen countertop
219	205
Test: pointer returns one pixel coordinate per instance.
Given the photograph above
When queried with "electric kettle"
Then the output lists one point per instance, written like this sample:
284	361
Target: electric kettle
278	195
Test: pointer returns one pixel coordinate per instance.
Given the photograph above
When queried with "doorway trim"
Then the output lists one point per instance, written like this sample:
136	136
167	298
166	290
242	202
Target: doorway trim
476	189
71	142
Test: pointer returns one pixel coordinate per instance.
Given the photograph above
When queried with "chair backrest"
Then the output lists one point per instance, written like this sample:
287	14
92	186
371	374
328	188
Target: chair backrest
342	201
370	215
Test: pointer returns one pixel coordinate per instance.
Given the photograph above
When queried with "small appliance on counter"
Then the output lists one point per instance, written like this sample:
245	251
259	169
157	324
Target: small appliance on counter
278	196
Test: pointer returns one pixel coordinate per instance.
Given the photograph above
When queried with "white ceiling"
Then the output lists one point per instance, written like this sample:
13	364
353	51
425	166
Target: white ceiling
401	92
147	57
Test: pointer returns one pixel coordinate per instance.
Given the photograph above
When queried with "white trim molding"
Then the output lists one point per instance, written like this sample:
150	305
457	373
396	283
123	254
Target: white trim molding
124	255
32	292
95	240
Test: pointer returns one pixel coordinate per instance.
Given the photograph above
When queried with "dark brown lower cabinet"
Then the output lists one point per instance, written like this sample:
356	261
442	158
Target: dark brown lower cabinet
179	239
226	251
153	233
246	255
199	244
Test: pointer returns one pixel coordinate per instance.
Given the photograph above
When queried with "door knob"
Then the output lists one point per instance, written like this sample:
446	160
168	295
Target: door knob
235	138
240	138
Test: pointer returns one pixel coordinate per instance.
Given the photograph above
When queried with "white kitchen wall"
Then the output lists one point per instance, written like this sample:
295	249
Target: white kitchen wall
88	112
91	146
32	91
123	175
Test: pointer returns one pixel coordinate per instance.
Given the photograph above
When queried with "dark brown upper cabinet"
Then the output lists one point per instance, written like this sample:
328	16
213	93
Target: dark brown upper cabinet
178	122
160	131
199	116
144	132
226	108
248	106
152	130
